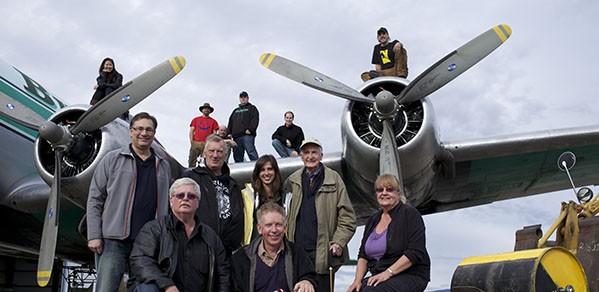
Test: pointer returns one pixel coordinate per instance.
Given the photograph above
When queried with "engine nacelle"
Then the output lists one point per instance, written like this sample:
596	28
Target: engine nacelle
82	157
415	133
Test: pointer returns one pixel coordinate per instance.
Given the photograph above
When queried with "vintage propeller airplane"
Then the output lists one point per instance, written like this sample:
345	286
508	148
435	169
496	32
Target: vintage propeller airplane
75	137
388	126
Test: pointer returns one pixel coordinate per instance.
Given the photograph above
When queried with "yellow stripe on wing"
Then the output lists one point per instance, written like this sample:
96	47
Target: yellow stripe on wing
503	31
178	63
266	59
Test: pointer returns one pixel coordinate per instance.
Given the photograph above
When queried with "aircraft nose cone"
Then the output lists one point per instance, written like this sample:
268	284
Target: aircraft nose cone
52	132
384	103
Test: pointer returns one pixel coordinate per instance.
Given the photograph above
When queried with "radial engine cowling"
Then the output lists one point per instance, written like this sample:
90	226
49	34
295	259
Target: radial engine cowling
82	156
415	134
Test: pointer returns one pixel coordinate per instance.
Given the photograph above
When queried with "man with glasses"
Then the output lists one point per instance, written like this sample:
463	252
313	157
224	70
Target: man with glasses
222	205
389	58
178	252
128	189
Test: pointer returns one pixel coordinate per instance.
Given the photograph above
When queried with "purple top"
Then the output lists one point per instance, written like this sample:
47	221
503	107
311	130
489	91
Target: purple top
376	244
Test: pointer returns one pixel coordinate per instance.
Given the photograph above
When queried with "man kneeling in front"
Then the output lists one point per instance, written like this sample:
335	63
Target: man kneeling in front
270	262
177	252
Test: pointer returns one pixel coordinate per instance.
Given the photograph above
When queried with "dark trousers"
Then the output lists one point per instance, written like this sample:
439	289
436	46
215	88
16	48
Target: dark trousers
324	281
398	283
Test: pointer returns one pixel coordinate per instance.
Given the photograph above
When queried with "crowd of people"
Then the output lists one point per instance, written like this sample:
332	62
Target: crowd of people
204	231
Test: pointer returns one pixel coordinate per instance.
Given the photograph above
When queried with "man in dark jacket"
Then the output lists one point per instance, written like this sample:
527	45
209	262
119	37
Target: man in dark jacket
287	138
270	262
177	252
242	126
222	204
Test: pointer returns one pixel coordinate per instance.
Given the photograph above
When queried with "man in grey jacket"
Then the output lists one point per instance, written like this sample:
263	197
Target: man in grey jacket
128	189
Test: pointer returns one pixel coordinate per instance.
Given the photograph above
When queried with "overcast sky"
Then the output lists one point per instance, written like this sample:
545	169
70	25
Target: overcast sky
543	77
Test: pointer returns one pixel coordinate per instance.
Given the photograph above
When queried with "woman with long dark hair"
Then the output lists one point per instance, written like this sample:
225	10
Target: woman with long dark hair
266	186
109	80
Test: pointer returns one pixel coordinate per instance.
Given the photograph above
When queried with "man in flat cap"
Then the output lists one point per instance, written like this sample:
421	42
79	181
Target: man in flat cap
320	219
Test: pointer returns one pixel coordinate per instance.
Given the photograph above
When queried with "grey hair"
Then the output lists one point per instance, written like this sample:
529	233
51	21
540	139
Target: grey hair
217	139
185	181
269	207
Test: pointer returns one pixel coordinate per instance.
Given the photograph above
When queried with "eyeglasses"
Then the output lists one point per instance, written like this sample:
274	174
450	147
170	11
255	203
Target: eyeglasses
182	196
380	190
141	129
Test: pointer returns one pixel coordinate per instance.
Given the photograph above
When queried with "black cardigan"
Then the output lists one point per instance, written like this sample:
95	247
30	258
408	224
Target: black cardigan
405	236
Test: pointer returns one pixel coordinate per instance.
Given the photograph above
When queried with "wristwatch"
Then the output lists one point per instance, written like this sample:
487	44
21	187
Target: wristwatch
390	271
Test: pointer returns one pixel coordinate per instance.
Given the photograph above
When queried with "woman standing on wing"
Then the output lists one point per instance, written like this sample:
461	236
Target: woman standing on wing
267	185
108	80
393	246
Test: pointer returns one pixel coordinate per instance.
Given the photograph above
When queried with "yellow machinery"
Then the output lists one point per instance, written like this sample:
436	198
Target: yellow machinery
544	269
538	264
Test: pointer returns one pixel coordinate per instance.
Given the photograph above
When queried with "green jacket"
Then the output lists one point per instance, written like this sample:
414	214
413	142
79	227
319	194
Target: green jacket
336	216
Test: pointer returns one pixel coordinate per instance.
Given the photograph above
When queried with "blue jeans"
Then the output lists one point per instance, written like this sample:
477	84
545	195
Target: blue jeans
281	148
111	264
147	288
245	144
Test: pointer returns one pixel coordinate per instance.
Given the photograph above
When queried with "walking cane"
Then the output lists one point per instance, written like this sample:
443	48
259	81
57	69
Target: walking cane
330	255
331	279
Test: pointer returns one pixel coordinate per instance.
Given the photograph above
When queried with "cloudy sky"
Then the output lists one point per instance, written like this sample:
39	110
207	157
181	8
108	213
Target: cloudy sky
543	77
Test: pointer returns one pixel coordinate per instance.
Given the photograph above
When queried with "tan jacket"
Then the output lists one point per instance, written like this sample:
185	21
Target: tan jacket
336	216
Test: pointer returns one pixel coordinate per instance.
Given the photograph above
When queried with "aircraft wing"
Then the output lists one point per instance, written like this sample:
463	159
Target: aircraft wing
486	170
505	167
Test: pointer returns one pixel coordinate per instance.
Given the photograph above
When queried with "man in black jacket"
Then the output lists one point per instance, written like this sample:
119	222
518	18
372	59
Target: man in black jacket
177	252
222	204
287	138
242	126
270	262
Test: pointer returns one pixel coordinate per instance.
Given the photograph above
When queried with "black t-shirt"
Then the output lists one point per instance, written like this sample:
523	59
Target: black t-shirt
223	198
384	55
145	201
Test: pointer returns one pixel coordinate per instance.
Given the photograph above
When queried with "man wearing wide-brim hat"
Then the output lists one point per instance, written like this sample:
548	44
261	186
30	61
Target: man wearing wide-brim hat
200	128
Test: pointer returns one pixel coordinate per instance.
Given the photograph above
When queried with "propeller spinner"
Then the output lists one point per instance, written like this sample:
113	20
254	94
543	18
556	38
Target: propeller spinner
62	138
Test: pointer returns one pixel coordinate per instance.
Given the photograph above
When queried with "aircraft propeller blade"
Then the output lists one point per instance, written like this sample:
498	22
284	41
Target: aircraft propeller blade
385	107
128	95
97	116
389	156
50	231
17	112
311	78
455	63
